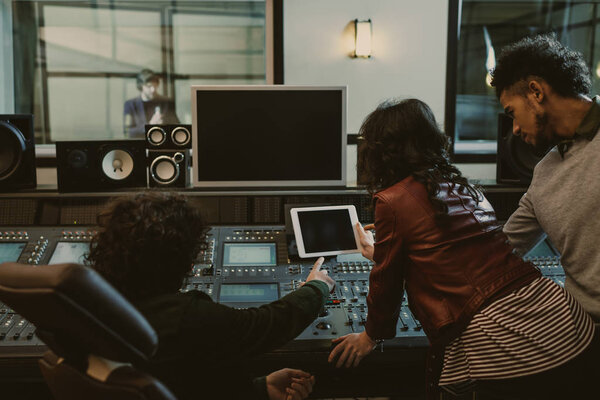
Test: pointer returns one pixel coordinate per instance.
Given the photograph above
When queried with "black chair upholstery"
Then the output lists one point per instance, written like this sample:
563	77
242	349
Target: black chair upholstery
86	323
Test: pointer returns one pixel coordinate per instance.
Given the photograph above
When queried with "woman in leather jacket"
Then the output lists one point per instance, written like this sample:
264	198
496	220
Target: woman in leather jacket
494	323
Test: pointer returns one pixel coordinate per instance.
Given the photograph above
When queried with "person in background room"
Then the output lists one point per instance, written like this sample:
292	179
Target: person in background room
145	246
147	108
494	323
544	86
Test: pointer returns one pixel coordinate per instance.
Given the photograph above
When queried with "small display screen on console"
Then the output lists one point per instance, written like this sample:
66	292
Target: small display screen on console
10	252
542	249
248	292
249	254
69	252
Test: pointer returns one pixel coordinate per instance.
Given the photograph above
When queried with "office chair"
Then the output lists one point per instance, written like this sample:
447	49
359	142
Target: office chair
93	332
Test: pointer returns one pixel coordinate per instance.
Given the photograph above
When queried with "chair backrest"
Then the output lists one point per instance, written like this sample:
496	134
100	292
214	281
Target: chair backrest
80	317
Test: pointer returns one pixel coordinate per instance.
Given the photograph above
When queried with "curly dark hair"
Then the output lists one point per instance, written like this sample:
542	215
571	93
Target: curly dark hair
402	139
146	243
545	57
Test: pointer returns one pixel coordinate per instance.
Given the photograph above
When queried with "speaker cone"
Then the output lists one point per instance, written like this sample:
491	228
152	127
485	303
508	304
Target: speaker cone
77	158
12	146
156	136
180	136
117	164
165	169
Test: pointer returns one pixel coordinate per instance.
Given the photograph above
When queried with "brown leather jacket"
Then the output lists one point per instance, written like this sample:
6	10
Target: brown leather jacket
449	271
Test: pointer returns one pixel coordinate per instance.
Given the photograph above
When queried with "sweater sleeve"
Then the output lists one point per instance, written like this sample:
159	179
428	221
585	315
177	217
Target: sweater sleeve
522	228
260	387
386	280
242	333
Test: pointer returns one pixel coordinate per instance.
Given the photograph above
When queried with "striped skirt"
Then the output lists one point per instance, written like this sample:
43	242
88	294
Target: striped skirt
538	327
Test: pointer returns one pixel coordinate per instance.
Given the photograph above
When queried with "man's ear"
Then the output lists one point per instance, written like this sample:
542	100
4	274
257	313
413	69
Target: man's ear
536	90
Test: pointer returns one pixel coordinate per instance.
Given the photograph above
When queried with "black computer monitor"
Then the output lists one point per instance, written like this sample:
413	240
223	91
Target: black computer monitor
269	136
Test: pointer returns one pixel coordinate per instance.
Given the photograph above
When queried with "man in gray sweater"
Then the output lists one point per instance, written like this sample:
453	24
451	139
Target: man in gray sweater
544	87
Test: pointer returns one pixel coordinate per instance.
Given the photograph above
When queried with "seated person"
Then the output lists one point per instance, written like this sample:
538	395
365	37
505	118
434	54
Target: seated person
492	320
145	246
148	108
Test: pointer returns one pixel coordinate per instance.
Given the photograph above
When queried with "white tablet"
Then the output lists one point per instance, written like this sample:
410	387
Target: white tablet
325	231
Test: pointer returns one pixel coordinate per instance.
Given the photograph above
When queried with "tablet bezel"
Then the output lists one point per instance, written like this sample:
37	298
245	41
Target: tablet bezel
298	232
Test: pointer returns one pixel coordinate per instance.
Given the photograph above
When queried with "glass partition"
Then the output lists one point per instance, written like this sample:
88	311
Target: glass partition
76	63
484	27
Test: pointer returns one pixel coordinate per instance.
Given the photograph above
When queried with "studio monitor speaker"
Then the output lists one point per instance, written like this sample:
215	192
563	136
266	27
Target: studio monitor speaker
171	137
17	152
97	166
169	168
515	159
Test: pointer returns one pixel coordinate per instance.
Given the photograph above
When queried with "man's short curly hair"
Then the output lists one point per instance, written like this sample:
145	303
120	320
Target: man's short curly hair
545	57
146	243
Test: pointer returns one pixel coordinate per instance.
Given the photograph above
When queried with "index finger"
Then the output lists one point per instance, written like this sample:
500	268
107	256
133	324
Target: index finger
369	227
318	263
336	351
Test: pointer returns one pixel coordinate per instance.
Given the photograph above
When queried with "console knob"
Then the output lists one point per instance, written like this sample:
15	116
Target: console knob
323	325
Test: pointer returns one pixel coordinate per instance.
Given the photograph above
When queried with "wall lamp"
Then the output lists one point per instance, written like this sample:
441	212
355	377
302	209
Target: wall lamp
362	39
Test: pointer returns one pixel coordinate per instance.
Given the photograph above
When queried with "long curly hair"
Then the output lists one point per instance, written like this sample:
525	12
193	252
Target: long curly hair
402	139
146	243
543	56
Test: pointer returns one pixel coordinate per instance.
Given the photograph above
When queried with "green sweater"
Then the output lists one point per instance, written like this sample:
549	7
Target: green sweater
205	348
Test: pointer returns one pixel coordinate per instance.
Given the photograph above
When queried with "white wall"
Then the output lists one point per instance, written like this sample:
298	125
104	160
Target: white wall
409	51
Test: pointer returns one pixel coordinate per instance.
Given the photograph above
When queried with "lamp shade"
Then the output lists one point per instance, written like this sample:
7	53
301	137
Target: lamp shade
362	38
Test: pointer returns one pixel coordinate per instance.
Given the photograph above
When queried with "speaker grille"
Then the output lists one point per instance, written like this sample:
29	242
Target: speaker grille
12	146
17	152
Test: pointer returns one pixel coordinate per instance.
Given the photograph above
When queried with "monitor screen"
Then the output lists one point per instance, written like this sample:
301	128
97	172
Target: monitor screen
249	254
542	249
250	136
10	252
69	252
248	292
326	230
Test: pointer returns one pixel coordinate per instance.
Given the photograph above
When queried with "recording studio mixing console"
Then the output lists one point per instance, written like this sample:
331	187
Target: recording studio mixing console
242	267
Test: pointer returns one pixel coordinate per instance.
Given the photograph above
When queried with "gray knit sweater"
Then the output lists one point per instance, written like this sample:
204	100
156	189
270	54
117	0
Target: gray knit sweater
562	202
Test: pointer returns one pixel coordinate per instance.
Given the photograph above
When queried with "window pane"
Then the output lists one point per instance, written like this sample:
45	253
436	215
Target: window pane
76	62
217	45
80	38
486	27
87	108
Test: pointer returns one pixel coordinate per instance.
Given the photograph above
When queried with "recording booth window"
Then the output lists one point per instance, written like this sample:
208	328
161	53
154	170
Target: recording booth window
477	31
74	64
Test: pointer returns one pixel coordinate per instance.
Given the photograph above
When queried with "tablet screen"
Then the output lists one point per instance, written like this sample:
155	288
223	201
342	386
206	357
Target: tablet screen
326	230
